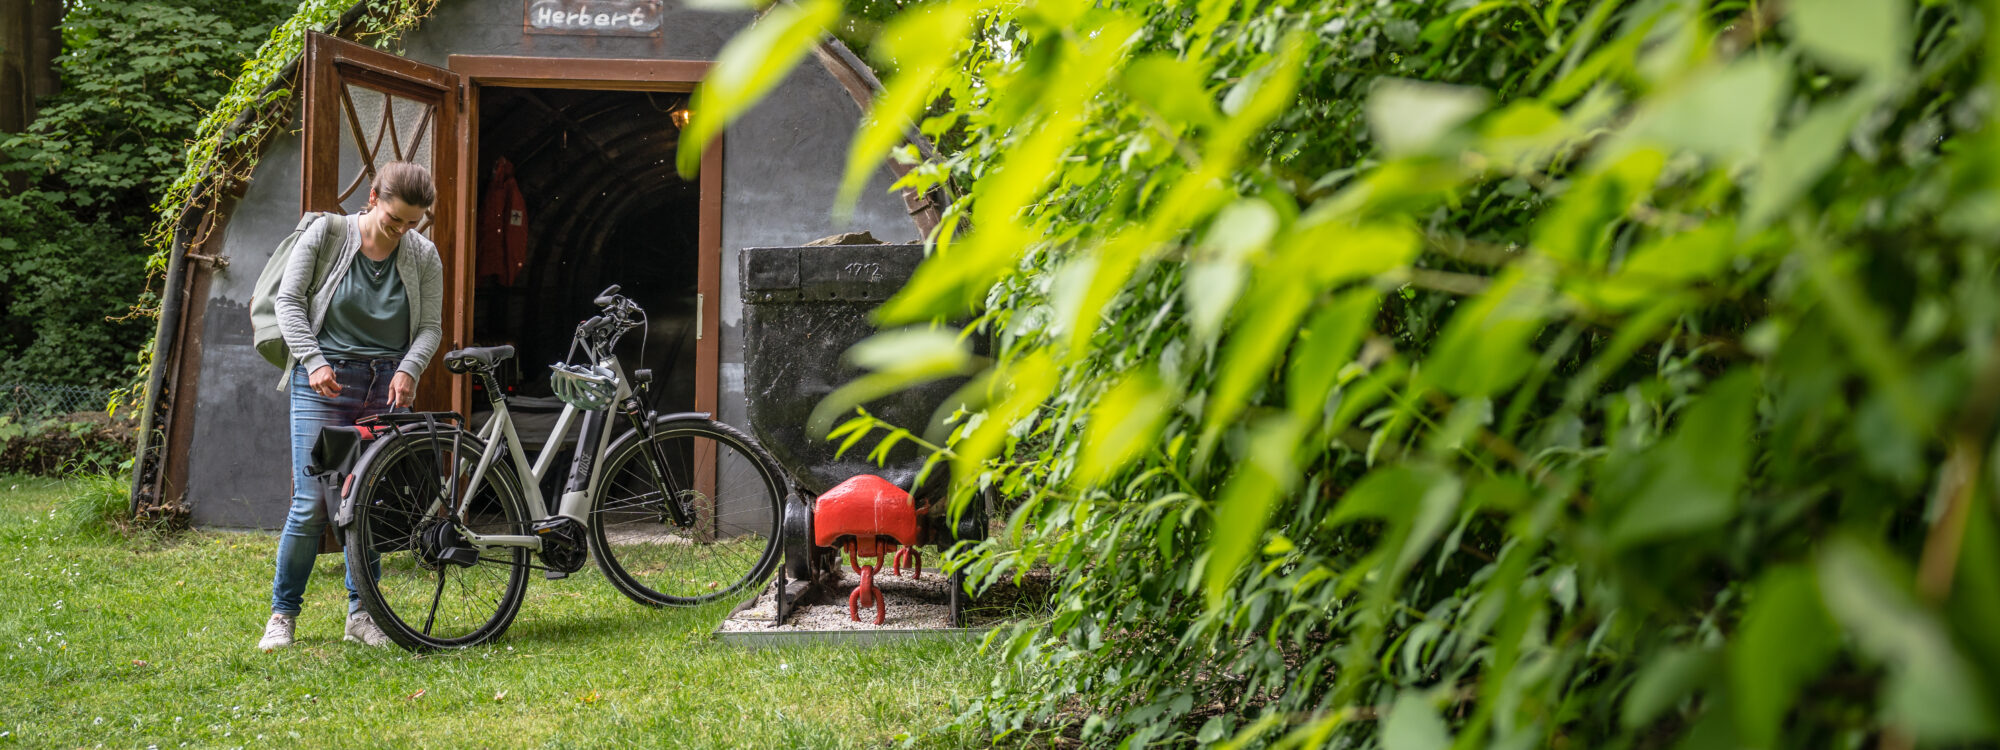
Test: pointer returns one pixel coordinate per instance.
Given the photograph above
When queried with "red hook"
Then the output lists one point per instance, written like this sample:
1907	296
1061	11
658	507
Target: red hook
866	594
915	558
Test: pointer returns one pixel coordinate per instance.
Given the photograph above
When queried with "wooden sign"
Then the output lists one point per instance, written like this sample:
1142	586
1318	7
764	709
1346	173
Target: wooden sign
593	17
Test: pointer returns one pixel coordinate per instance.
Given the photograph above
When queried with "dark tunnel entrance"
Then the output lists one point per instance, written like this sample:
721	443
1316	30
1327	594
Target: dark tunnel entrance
599	204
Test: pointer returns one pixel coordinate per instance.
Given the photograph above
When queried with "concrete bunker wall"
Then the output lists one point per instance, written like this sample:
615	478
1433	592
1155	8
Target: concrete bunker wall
779	167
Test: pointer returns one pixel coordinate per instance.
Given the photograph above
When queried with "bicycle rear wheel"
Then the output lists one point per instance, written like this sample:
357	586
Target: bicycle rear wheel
734	490
431	589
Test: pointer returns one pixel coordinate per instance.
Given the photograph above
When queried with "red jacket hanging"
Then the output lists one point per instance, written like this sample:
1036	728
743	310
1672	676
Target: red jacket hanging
503	227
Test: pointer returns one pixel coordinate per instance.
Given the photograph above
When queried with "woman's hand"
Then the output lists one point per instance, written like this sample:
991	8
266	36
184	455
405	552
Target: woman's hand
402	390
322	382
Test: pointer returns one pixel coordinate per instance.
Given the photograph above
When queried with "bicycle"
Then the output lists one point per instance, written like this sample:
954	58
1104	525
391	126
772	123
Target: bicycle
678	510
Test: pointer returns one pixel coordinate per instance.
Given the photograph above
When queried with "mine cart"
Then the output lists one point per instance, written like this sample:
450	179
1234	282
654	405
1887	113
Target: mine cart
803	307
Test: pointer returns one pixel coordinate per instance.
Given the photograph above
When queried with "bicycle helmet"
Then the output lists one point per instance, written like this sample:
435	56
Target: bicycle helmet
587	387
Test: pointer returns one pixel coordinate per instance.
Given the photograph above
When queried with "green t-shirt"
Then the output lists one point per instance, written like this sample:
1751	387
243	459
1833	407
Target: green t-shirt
370	313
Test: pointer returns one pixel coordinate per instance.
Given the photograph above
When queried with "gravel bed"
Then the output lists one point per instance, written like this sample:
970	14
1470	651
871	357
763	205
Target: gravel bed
913	604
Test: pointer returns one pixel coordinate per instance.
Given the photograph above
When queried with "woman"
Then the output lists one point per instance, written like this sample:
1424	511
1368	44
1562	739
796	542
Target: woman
361	341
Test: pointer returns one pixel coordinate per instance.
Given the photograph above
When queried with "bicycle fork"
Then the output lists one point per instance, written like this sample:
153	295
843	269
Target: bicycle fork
677	508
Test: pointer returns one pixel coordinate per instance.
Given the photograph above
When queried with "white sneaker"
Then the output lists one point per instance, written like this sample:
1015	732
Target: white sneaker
361	629
278	632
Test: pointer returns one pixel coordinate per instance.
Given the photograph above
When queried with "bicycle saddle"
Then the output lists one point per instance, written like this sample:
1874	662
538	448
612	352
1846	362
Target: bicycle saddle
476	357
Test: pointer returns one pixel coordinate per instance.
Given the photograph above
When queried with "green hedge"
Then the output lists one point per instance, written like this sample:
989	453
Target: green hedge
1458	374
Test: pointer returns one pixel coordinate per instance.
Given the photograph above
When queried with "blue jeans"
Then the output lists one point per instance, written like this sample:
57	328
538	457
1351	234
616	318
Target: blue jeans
364	392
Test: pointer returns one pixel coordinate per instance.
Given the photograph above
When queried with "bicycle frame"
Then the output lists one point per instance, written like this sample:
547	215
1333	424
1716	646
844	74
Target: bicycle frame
575	503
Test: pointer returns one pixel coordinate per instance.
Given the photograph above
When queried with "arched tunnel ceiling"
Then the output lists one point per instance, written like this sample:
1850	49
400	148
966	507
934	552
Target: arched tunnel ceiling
585	160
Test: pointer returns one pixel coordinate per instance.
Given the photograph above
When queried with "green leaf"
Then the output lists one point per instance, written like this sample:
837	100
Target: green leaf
1329	253
1577	228
1523	135
1174	88
1861	37
1209	287
1671	676
1215	276
1975	595
747	68
1931	689
1725	114
1666	264
1123	424
1325	346
1802	155
1862	327
1786	641
1408	116
1484	348
1245	508
1701	468
1413	724
1253	347
918	348
1416	500
1024	385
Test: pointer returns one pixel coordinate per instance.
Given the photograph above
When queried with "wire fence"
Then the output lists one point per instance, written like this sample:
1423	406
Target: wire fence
35	401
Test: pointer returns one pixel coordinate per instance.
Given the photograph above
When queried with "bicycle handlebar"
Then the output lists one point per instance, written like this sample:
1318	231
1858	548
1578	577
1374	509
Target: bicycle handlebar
617	317
608	297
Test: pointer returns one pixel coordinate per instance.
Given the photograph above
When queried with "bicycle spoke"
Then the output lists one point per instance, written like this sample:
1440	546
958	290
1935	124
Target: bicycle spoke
435	598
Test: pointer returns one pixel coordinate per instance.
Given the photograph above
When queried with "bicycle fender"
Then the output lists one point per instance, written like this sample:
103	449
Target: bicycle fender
344	515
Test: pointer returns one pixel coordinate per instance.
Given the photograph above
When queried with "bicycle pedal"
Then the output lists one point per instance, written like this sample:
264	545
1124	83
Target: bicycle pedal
555	575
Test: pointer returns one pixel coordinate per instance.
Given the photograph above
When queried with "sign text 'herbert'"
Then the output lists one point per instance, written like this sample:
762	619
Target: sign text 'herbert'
594	17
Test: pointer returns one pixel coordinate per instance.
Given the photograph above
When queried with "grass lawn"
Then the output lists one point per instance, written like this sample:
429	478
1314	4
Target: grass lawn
134	640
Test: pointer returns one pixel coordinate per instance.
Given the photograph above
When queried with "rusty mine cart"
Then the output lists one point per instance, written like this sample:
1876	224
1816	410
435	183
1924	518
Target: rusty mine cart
803	308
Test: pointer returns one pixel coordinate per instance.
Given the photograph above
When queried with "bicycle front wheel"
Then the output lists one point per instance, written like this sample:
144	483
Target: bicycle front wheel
429	588
732	489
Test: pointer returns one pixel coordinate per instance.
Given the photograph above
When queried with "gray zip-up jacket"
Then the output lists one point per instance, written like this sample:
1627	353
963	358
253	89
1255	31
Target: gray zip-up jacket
419	266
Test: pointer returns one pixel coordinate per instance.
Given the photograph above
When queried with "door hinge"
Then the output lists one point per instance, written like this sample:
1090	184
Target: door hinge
700	302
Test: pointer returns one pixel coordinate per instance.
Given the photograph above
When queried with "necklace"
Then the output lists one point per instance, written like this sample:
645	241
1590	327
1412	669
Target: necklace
376	268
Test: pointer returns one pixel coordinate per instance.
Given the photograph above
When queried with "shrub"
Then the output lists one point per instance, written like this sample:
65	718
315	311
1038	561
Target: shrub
1472	374
86	442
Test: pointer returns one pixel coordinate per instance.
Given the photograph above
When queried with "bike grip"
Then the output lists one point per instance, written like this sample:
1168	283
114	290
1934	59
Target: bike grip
608	296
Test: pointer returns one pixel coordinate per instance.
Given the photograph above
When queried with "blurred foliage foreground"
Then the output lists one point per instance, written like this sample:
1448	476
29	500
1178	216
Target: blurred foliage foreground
1462	374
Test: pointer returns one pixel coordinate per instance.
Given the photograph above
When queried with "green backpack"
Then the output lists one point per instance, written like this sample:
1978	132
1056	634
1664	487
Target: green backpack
263	301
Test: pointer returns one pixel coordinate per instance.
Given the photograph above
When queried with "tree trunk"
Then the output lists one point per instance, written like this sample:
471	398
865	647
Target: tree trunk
30	39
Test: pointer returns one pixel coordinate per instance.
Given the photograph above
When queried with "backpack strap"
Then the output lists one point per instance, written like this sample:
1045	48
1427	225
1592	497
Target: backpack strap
336	230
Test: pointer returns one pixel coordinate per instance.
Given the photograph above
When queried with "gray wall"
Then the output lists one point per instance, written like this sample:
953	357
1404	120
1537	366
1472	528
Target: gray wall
780	167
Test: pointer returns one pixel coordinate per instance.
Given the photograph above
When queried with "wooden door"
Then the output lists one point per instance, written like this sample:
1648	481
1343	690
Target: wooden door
363	108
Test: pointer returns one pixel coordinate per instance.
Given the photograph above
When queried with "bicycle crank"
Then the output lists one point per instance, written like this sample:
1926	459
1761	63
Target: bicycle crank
564	549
